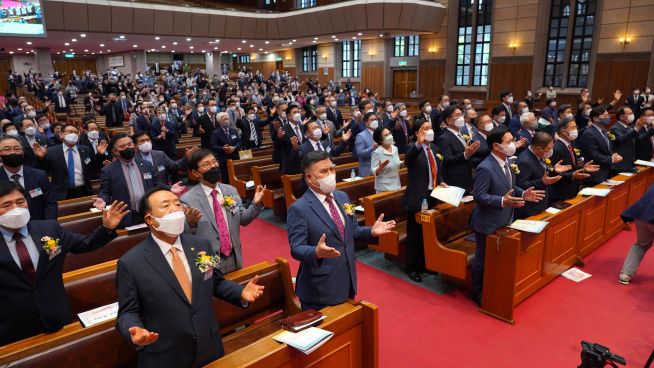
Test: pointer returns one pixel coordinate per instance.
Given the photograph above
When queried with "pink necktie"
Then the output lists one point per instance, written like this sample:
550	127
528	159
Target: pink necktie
333	211
223	232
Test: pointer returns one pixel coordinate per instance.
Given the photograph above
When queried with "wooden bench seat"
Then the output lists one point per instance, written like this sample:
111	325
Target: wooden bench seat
294	187
240	172
74	206
111	251
390	204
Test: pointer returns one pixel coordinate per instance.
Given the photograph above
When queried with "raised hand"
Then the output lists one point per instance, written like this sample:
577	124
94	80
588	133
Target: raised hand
189	151
380	227
560	169
590	167
258	194
142	337
520	143
102	147
533	195
472	149
347	135
280	131
193	216
383	164
616	158
579	175
346	123
112	217
325	251
39	151
98	203
252	291
294	143
549	180
511	201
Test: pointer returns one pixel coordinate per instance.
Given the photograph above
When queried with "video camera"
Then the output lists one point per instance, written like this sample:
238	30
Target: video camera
598	356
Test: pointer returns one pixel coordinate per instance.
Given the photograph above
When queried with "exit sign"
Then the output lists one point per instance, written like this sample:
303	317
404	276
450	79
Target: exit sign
401	63
69	56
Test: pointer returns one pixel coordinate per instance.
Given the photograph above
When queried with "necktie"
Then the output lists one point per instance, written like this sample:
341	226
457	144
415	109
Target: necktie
406	135
318	146
572	155
113	113
136	187
71	169
180	273
16	178
333	211
213	121
507	173
223	232
298	134
432	166
253	132
24	257
62	101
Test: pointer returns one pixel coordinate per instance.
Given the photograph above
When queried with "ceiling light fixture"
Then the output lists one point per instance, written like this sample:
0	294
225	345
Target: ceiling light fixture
190	47
174	43
333	36
163	46
243	41
267	42
102	45
188	39
83	35
28	42
74	40
359	34
135	46
19	49
121	37
66	44
157	38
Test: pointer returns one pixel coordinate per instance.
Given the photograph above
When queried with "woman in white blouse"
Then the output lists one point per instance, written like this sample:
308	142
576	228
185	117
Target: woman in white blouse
385	161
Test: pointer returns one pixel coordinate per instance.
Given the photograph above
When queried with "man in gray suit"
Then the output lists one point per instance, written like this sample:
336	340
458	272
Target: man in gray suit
162	165
221	208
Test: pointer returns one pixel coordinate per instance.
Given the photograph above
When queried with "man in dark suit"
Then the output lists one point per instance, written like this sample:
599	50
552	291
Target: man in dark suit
206	124
635	102
62	106
162	165
40	198
92	138
401	128
641	214
456	150
626	133
31	143
333	113
527	131
313	141
276	122
596	146
250	126
32	295
564	151
644	144
507	104
72	179
291	140
484	126
144	119
537	170
225	144
321	234
425	168
159	278
496	195
112	112
163	133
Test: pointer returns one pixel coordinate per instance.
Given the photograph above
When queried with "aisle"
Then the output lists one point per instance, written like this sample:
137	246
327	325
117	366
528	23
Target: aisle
420	328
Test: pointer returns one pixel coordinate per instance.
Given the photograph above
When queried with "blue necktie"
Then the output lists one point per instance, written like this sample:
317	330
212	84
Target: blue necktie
71	169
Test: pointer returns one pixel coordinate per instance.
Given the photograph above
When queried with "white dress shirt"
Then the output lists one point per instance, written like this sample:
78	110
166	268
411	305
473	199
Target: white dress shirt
21	177
323	200
29	243
79	178
165	249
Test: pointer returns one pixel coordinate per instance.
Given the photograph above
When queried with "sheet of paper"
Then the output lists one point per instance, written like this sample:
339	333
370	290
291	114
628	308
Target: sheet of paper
600	192
552	210
467	199
93	209
350	179
627	174
245	154
305	341
644	163
576	274
451	195
529	226
99	315
359	208
249	184
612	183
136	227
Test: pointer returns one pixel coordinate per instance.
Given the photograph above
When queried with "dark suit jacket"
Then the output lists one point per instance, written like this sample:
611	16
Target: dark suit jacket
143	124
326	281
457	171
635	104
205	122
644	149
643	209
336	118
28	309
307	147
290	157
399	136
489	186
58	108
523	133
624	145
84	140
42	206
277	146
56	164
531	175
31	159
417	187
594	147
219	139
149	294
244	125
115	119
482	152
166	144
567	187
113	186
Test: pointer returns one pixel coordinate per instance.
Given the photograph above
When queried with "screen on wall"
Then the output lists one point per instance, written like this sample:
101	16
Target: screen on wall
22	17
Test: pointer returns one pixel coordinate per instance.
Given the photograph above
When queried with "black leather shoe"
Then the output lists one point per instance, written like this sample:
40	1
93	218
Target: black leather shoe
415	276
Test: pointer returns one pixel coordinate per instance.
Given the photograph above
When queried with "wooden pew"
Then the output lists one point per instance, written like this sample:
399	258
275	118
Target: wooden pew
240	172
74	206
91	287
449	250
83	223
70	346
113	250
292	184
518	264
390	204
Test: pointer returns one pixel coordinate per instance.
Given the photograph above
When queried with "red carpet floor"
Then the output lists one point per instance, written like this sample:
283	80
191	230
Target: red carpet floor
419	328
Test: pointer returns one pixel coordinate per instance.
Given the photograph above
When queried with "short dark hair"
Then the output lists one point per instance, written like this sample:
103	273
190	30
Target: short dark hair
564	123
422	104
292	105
497	110
249	108
505	93
86	124
8	137
496	135
562	108
368	115
622	111
377	135
597	111
64	125
140	134
312	157
9	186
7	126
447	113
541	139
197	156
144	206
117	137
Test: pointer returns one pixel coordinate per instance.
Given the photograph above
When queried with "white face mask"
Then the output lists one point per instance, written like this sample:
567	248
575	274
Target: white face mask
389	108
317	134
322	117
30	131
573	134
369	111
297	117
501	119
488	127
630	118
213	109
332	104
15	219
403	113
459	122
525	110
587	112
31	114
509	149
389	140
173	106
145	147
93	134
172	223
445	104
327	184
374	124
509	100
71	138
429	136
251	116
12	133
201	109
162	117
428	109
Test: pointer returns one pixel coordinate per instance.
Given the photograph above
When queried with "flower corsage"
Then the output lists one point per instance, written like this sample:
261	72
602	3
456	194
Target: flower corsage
349	209
230	203
515	169
51	246
206	264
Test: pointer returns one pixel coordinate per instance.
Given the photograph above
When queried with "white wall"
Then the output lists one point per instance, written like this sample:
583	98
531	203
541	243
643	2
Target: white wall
23	63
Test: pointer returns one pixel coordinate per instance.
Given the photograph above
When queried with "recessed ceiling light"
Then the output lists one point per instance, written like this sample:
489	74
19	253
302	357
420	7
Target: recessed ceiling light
121	36
266	52
190	47
333	36
93	53
19	49
203	51
108	50
191	52
86	50
314	41
359	34
11	52
238	49
381	35
217	40
157	38
163	46
251	45
260	49
101	52
335	39
74	40
70	50
102	45
66	44
243	41
174	43
135	46
58	52
172	50
315	38
188	39
28	42
294	40
215	48
83	35
267	42
354	37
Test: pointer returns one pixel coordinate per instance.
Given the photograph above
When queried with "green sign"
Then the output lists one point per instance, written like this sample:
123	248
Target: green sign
69	56
401	63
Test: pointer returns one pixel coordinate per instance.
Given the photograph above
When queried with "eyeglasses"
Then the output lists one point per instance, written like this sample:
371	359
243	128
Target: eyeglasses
9	150
209	164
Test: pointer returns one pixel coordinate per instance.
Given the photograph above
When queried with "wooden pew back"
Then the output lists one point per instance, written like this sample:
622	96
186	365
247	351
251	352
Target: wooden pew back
240	171
114	250
390	204
293	184
69	207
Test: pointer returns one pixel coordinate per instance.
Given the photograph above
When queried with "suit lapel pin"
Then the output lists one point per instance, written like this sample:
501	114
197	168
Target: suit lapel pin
192	249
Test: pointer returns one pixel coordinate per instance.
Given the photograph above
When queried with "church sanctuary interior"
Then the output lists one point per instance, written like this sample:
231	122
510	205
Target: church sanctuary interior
322	183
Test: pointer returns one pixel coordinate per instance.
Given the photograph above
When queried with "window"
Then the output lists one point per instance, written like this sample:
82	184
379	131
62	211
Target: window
244	59
310	59
406	46
351	65
270	2
569	43
306	4
473	42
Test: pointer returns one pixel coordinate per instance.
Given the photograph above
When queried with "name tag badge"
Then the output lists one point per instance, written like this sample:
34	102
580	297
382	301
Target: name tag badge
54	254
233	137
147	176
36	192
161	168
328	150
87	160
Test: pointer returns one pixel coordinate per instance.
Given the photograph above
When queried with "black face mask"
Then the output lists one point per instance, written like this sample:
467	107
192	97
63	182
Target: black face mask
212	175
12	160
127	153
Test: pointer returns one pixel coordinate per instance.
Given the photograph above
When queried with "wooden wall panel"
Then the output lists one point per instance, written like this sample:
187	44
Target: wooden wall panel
324	79
618	74
5	66
68	65
372	77
461	95
265	67
431	77
513	76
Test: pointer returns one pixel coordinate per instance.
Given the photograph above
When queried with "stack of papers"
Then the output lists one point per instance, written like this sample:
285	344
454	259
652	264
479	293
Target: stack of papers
99	315
644	163
576	275
552	210
306	341
529	226
249	184
451	195
626	174
612	183
359	208
600	192
355	178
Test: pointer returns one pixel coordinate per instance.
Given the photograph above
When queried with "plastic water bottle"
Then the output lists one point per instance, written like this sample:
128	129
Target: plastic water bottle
353	174
425	205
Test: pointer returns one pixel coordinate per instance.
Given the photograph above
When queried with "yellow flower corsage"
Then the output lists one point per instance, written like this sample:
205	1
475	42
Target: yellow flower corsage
577	151
467	137
51	246
206	263
349	209
611	136
439	156
515	169
230	203
548	163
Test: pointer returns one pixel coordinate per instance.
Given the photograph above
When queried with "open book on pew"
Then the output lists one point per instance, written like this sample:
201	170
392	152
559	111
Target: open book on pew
529	226
600	192
644	163
451	195
306	341
249	184
99	315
